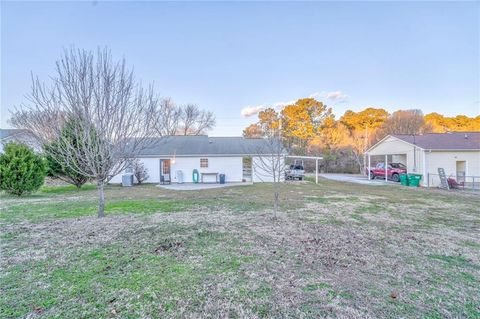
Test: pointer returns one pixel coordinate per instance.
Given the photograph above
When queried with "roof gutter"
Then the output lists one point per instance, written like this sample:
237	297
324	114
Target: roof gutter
204	155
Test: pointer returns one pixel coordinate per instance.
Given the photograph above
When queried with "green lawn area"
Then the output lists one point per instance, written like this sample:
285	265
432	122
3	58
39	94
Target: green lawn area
334	250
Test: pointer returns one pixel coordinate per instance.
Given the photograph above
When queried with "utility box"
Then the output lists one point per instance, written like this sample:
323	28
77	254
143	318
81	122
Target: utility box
179	177
127	180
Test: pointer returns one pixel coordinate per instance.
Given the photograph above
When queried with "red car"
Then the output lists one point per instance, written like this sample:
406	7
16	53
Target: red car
393	171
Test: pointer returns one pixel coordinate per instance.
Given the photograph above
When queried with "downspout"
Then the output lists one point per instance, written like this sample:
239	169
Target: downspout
425	171
414	155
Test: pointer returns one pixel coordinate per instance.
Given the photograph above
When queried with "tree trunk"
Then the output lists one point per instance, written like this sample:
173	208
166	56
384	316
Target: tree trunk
275	203
101	200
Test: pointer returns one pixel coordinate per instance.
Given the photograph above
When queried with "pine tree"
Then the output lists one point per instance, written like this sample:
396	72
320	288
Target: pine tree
67	171
21	170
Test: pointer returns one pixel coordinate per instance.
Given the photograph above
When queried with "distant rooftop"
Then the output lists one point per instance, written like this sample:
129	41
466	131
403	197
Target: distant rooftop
11	132
205	145
444	141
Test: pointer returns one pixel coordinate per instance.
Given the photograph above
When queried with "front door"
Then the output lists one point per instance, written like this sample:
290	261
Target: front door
461	171
247	169
165	171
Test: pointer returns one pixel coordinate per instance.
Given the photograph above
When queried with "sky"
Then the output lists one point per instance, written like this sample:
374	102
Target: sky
236	58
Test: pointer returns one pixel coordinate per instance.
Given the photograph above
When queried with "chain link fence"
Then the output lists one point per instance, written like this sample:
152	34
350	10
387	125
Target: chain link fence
459	181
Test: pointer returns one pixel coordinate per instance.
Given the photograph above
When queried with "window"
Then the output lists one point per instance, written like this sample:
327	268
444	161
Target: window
204	163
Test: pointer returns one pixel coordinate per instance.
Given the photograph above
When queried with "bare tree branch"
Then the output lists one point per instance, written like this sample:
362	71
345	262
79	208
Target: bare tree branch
195	121
113	115
269	163
167	118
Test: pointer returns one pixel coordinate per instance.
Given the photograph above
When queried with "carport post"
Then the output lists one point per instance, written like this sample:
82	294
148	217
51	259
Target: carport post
386	168
316	171
369	166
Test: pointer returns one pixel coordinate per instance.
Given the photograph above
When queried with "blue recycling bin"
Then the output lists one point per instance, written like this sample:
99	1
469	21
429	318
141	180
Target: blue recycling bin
222	178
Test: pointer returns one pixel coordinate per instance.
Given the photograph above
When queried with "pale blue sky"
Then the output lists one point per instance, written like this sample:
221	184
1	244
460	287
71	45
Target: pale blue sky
226	56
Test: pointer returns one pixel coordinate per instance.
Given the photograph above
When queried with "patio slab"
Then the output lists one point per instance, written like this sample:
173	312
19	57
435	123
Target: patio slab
199	186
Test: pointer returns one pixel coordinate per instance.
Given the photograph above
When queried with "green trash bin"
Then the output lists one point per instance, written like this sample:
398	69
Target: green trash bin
404	179
414	179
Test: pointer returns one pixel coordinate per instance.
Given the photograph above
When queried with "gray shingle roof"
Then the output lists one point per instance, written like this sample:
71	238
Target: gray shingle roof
204	145
11	133
444	141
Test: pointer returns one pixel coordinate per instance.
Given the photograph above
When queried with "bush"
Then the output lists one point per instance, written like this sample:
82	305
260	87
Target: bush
140	171
56	170
21	170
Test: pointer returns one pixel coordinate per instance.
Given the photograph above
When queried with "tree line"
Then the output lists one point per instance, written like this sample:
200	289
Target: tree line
309	127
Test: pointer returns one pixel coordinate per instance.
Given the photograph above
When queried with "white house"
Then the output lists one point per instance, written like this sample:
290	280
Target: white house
458	153
176	157
17	135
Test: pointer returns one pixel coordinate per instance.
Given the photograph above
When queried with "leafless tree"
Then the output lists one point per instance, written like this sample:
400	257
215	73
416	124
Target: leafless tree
42	126
171	119
269	164
195	121
112	114
167	118
409	122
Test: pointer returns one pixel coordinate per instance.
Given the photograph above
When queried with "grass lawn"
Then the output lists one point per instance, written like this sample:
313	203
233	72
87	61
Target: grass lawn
335	250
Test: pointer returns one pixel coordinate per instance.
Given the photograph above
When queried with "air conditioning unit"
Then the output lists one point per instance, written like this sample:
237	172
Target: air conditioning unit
127	180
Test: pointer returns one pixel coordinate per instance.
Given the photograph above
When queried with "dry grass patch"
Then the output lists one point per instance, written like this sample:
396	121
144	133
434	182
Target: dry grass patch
336	250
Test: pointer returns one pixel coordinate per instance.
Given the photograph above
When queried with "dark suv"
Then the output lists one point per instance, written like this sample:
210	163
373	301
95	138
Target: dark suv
393	171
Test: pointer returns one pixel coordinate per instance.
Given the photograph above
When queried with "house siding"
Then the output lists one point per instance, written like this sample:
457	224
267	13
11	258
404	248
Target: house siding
262	173
232	167
448	161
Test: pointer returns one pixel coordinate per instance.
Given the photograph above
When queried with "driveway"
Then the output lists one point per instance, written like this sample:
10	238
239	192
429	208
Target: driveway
353	178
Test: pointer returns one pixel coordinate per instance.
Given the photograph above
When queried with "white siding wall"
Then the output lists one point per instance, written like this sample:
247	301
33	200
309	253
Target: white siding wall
261	173
153	167
448	161
400	159
232	167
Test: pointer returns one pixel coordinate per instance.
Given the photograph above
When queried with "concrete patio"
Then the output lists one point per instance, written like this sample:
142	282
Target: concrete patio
199	186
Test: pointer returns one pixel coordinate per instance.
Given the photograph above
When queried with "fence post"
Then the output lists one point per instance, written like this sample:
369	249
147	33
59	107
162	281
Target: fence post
428	180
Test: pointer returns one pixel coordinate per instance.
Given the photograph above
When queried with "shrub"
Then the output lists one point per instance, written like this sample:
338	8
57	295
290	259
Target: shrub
64	173
139	171
21	170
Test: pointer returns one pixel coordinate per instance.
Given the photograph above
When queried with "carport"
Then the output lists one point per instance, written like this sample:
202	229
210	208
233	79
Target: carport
391	149
386	158
315	158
